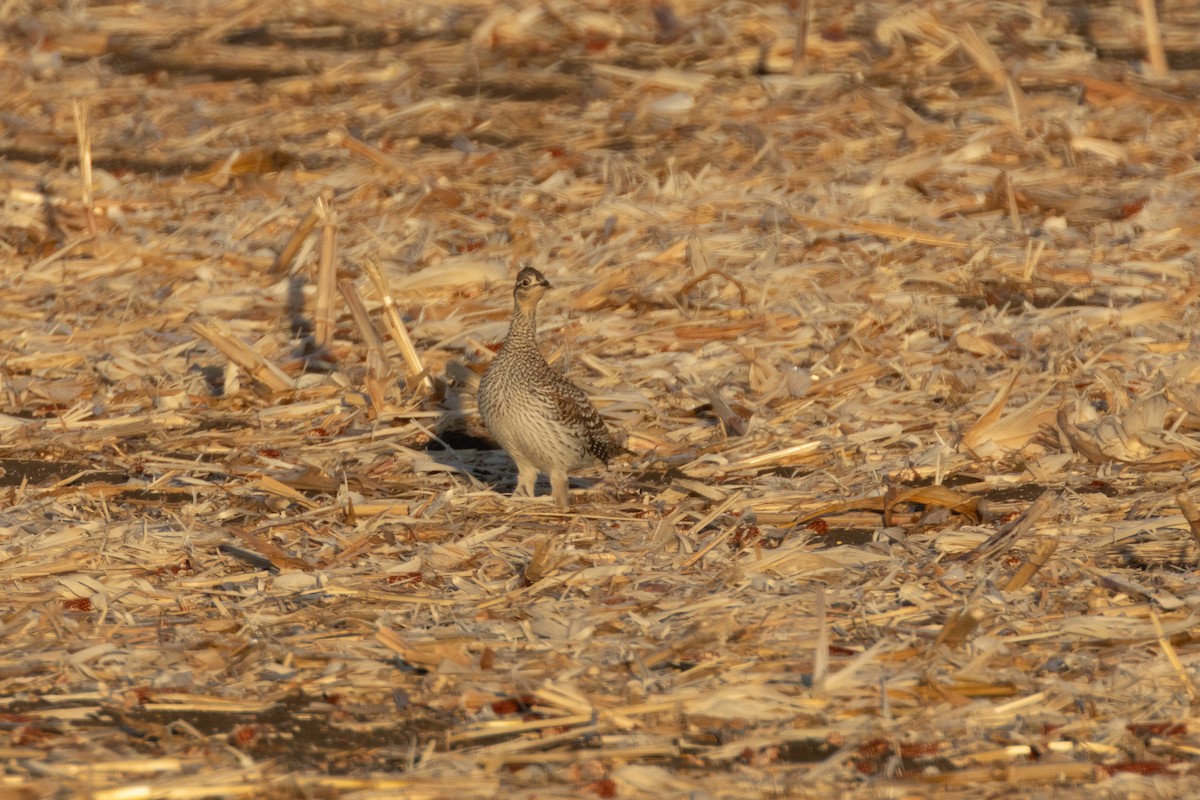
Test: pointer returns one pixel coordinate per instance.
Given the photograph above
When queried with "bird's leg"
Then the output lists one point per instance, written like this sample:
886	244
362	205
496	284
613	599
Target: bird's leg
558	485
526	480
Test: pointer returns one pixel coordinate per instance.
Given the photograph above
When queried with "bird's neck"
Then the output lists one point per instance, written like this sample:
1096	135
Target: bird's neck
522	331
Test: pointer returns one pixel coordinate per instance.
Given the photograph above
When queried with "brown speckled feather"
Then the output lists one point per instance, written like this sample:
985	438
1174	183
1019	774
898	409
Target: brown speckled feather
575	409
545	422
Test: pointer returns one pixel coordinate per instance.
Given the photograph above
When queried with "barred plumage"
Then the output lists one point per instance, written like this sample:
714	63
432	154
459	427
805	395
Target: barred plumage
545	422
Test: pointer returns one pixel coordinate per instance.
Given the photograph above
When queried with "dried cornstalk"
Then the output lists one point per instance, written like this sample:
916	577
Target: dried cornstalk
326	275
149	502
961	625
701	524
1155	51
378	372
283	261
391	316
1172	655
885	229
372	154
820	669
989	61
1190	512
1041	556
1002	540
547	557
257	365
801	11
732	422
83	135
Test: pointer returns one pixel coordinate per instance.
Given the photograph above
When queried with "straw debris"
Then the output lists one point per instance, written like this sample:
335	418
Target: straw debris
894	306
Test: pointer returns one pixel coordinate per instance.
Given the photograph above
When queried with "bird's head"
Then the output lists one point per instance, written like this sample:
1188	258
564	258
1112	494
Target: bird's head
530	286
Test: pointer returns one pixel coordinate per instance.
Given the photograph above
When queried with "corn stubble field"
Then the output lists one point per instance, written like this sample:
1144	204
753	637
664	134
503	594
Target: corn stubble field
892	304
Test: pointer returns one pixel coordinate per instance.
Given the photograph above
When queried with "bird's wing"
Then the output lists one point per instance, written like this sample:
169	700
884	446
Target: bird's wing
575	409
